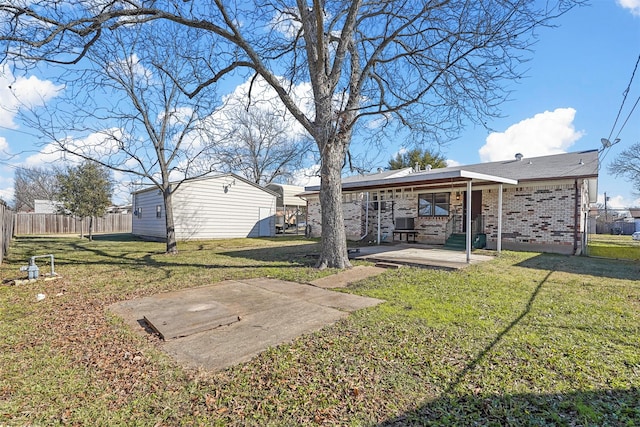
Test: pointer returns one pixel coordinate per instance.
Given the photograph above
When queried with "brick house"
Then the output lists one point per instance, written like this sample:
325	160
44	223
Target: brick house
532	204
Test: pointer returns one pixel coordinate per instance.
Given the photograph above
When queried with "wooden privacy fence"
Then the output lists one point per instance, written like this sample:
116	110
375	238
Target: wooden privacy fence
32	223
6	215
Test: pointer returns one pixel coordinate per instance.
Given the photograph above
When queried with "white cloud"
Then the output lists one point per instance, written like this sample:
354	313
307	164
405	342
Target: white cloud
28	91
632	5
618	201
306	177
49	155
6	194
551	132
4	145
263	98
452	163
6	184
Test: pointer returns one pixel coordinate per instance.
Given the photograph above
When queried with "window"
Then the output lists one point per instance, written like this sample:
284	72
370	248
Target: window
383	204
433	204
158	211
139	212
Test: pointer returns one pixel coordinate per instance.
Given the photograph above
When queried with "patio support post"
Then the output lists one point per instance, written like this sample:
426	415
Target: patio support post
379	212
468	221
499	242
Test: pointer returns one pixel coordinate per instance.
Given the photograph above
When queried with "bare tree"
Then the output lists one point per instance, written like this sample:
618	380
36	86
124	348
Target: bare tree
123	108
32	184
627	165
428	66
261	146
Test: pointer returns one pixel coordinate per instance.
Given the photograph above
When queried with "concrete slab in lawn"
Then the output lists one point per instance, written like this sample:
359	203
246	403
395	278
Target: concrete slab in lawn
217	326
345	277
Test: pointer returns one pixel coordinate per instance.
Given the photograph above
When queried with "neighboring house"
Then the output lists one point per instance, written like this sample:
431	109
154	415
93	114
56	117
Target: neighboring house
222	206
46	206
537	204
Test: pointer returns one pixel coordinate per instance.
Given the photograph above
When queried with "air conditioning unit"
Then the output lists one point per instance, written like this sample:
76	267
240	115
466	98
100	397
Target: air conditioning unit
405	223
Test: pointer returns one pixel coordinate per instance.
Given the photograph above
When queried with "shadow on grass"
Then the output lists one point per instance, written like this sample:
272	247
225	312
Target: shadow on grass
300	254
122	258
117	237
614	269
594	407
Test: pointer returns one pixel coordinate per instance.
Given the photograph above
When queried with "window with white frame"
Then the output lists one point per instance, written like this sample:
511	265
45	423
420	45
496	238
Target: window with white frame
433	204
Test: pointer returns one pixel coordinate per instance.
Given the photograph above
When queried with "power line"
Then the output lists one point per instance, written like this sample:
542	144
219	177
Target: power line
624	98
627	119
606	142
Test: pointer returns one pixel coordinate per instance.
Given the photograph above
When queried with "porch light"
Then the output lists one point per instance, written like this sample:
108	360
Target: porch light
457	195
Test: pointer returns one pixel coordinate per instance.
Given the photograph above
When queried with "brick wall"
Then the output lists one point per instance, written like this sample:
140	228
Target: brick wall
536	218
314	215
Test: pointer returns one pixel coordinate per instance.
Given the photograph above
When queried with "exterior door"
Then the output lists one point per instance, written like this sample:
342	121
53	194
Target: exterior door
476	207
265	222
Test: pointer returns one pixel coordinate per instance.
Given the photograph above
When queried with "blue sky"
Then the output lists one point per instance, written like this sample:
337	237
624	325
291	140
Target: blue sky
568	101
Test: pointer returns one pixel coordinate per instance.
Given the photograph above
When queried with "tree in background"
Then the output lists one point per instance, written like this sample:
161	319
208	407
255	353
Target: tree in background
417	156
260	146
627	165
425	67
84	191
124	108
32	184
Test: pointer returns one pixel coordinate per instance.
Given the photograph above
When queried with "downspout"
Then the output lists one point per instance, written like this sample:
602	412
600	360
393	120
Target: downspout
379	214
366	219
576	218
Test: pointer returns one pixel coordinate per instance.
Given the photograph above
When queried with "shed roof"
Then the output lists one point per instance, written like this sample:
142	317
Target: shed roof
288	194
210	177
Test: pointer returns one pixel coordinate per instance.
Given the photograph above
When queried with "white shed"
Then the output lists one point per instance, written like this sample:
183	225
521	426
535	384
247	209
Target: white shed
221	206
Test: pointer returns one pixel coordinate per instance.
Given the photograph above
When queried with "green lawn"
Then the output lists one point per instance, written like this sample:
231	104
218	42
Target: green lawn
614	246
526	339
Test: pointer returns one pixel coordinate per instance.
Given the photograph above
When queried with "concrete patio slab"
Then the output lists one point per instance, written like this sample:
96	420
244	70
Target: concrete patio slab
419	256
344	278
270	312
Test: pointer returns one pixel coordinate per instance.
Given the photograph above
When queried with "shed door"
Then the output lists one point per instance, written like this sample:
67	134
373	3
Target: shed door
265	222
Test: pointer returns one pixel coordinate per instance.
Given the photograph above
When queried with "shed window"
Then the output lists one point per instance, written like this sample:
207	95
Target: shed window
158	211
433	204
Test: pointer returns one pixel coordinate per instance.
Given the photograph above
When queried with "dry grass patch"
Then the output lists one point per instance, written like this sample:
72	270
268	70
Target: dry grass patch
526	339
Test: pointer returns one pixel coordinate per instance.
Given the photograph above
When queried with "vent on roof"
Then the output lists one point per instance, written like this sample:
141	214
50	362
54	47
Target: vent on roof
428	168
519	157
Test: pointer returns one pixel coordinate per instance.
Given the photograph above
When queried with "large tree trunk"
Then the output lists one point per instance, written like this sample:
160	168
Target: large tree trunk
333	252
172	244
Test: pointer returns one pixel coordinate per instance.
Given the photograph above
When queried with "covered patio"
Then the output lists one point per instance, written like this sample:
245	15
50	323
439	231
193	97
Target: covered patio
452	181
525	204
418	255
